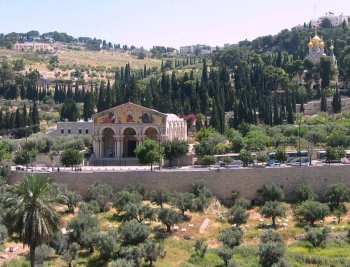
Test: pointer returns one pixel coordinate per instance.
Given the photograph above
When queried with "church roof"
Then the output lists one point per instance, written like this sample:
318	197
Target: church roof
129	104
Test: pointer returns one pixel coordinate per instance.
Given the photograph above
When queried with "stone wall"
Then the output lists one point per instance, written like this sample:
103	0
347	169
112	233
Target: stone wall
221	182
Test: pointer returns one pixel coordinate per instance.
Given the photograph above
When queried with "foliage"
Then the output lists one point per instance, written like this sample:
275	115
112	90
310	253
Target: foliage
281	154
316	236
69	110
152	251
124	198
272	192
208	160
71	253
304	192
72	199
334	153
336	194
43	253
107	243
246	157
137	188
71	157
271	249
102	193
32	214
139	212
200	247
310	211
202	195
225	254
231	237
204	133
273	209
149	152
134	233
132	253
237	215
84	229
169	217
24	157
160	196
183	201
174	149
256	140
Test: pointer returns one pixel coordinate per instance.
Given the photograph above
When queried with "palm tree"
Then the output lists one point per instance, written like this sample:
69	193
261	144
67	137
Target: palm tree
31	213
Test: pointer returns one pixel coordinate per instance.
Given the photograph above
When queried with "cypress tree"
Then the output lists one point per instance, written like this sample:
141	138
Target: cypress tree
88	109
302	105
323	101
215	121
35	118
276	118
109	103
101	105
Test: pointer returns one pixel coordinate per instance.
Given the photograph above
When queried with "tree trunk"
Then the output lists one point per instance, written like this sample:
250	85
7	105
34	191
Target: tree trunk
32	253
151	167
273	222
150	263
168	229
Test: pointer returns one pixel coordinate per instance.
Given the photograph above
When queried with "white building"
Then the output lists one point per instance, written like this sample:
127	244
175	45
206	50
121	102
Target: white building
336	21
65	128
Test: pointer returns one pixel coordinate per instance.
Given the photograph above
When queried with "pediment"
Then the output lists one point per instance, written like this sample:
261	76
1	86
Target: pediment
129	113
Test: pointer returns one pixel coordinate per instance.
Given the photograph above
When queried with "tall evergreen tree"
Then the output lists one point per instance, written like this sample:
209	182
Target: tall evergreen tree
324	107
89	105
35	118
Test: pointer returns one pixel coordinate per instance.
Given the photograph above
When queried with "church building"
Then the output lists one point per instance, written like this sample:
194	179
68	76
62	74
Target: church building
119	130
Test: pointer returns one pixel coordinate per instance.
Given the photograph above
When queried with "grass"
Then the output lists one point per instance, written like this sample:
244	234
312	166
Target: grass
104	58
180	252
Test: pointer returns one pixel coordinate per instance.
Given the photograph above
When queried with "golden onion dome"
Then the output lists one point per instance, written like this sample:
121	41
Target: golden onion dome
331	47
310	45
316	39
322	44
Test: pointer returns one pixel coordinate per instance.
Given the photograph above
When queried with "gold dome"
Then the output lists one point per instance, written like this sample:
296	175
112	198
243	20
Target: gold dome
310	45
331	47
322	44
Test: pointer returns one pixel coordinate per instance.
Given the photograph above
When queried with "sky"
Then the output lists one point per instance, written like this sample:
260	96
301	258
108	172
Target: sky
163	22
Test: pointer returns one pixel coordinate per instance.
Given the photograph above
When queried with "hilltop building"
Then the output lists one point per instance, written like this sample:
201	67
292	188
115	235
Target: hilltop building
335	20
29	46
196	49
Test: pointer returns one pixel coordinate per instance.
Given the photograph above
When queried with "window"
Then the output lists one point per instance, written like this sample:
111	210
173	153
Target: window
86	131
62	131
69	131
80	131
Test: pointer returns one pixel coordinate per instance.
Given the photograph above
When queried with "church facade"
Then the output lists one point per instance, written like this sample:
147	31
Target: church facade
119	130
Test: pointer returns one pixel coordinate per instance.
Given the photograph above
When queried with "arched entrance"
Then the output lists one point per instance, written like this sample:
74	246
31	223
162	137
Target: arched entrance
151	133
129	142
108	143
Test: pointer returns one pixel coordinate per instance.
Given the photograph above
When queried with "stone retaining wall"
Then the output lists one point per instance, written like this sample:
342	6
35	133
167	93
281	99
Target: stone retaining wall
220	181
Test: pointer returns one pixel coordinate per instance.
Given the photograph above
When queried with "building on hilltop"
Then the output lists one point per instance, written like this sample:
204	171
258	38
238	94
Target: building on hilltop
196	49
42	47
335	20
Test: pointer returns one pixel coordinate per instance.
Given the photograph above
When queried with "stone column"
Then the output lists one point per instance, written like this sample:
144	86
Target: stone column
101	147
121	146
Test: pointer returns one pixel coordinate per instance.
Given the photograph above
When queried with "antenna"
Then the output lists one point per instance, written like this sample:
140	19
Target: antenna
314	11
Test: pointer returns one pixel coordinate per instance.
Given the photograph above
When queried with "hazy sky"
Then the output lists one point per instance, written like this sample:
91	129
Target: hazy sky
163	22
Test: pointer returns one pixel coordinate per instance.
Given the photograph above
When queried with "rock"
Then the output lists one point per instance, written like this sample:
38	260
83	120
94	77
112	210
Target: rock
188	237
4	256
183	230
